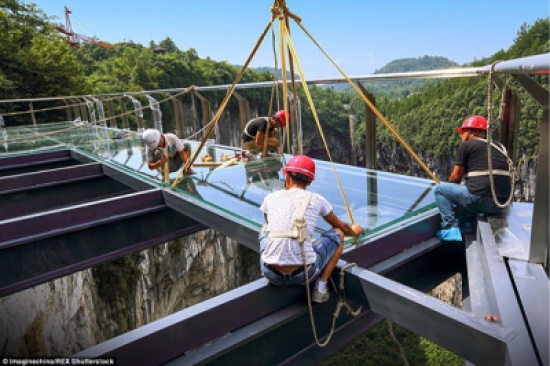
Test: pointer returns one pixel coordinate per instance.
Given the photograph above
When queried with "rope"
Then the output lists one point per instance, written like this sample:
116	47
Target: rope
401	350
375	111
316	117
489	140
216	118
44	134
342	303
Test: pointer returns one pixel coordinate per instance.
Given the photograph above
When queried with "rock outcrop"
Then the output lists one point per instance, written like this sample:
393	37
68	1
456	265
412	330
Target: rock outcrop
67	315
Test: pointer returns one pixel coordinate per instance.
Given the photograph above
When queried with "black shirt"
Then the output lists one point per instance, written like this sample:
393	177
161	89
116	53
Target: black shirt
472	155
253	126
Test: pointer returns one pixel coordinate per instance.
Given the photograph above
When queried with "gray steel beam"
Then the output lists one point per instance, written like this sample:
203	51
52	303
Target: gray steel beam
387	243
224	222
24	229
49	177
540	235
33	160
242	325
531	284
55	196
503	299
172	336
456	330
48	245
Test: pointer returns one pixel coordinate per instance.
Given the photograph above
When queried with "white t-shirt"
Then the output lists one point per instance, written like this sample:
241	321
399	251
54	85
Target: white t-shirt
173	146
280	212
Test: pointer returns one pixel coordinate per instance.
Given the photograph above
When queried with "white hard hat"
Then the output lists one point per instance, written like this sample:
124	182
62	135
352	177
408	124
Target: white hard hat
151	137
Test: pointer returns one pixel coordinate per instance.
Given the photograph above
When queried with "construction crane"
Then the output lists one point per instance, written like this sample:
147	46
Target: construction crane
75	39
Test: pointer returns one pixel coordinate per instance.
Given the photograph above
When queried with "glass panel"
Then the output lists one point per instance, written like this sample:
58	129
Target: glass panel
376	199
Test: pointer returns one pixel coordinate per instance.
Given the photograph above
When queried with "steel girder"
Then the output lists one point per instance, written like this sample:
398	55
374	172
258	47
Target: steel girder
56	221
261	324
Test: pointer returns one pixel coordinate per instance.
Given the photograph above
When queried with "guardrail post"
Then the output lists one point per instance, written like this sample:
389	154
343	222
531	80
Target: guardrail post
112	116
371	160
205	107
123	111
178	117
540	231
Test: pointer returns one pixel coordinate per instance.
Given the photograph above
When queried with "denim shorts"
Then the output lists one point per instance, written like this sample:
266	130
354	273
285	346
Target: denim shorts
324	247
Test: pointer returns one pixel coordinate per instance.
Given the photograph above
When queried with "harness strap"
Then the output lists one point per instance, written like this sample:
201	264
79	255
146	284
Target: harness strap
500	148
299	230
486	172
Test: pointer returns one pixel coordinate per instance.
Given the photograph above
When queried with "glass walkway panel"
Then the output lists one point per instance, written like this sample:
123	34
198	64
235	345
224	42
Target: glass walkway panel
376	199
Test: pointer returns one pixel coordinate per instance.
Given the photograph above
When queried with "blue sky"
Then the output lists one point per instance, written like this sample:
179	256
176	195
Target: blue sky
360	35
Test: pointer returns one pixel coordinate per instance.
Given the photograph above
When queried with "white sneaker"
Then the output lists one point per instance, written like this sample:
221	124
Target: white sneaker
319	296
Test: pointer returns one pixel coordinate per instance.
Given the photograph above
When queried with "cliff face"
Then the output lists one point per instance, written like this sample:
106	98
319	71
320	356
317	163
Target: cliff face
396	160
65	316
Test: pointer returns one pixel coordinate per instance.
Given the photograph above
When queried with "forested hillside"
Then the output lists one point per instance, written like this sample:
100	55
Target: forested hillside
37	62
404	88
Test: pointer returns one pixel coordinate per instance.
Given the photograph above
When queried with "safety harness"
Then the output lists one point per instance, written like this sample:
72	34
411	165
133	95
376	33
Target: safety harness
500	148
299	230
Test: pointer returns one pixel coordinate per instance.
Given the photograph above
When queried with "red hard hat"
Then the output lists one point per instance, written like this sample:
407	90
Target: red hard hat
477	122
301	164
282	116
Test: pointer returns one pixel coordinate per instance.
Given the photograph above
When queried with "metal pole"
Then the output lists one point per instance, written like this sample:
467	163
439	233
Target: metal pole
68	110
112	116
125	124
244	110
371	160
206	111
178	117
353	152
540	230
32	114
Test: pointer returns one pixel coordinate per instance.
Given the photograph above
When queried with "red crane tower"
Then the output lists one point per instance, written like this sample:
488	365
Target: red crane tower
74	39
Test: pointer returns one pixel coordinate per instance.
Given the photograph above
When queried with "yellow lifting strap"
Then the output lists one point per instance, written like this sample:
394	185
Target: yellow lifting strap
216	118
374	109
315	116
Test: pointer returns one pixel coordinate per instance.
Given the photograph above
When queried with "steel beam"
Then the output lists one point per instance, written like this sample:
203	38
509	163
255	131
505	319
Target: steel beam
456	330
385	244
48	245
54	196
540	236
503	301
10	165
224	222
24	229
49	177
244	325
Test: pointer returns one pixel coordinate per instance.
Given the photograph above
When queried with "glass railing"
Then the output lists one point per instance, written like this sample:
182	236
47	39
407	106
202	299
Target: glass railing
376	199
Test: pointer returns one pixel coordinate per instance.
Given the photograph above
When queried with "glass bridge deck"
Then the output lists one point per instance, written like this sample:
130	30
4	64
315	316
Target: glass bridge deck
376	199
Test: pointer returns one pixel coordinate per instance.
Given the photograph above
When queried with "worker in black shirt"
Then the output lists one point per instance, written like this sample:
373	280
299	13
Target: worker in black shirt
254	131
456	200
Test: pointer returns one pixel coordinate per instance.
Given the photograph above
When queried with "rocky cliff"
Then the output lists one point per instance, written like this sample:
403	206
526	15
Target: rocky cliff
65	316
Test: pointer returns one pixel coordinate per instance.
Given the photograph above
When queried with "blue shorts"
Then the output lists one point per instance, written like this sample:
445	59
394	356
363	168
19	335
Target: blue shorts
324	247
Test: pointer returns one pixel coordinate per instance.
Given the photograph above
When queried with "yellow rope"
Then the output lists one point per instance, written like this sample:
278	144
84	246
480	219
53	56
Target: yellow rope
490	126
216	118
375	110
314	112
